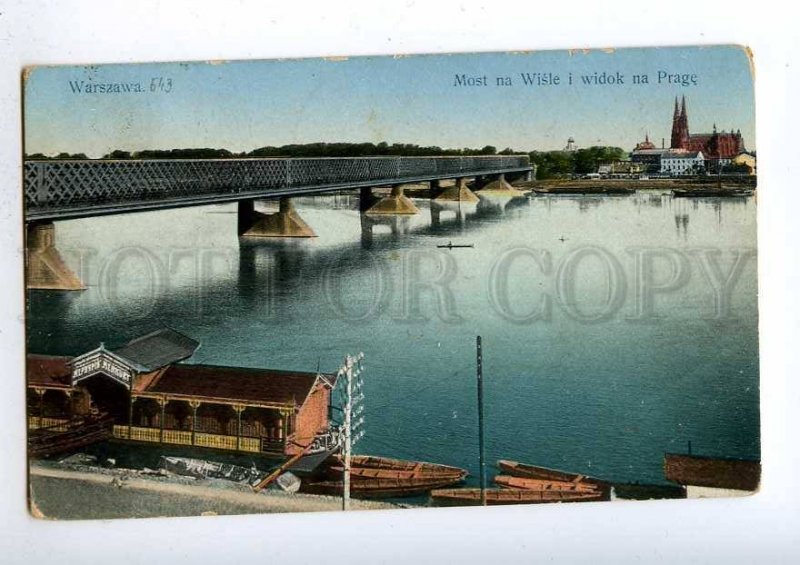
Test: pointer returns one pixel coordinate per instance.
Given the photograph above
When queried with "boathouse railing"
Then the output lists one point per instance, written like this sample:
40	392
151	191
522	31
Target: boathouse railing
57	424
201	439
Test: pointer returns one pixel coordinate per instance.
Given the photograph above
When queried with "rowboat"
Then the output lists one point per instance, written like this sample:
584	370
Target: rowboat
367	473
494	497
381	487
709	191
452	245
417	468
507	481
523	470
375	462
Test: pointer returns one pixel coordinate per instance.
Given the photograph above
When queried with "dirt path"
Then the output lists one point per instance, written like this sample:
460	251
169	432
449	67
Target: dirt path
65	494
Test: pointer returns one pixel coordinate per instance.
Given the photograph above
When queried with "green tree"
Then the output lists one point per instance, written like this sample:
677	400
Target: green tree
552	164
118	154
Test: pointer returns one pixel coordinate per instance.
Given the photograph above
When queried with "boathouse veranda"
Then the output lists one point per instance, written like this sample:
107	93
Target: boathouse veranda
153	398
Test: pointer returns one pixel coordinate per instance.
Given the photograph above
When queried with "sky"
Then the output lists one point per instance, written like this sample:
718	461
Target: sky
244	105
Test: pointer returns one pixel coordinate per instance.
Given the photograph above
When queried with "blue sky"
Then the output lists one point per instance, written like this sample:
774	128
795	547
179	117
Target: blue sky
244	105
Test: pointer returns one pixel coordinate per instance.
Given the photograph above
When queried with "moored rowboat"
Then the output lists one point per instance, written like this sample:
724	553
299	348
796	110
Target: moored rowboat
507	481
419	468
367	473
381	487
516	469
472	496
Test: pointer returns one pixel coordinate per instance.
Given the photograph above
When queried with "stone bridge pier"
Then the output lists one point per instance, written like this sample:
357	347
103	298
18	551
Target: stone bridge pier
397	203
498	186
44	267
456	193
286	222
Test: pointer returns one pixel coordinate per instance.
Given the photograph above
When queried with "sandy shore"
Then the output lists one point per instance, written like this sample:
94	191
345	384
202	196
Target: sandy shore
74	495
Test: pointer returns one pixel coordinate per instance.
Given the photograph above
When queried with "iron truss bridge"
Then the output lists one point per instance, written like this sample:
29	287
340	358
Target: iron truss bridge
74	189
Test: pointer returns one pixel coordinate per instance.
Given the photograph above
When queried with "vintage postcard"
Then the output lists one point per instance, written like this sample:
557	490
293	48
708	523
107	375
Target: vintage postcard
390	282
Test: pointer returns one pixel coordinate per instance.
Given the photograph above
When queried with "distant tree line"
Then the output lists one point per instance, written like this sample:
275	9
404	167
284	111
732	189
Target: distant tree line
60	156
557	164
364	150
549	164
292	150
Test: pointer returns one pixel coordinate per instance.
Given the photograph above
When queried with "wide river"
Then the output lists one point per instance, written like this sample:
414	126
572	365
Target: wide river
615	328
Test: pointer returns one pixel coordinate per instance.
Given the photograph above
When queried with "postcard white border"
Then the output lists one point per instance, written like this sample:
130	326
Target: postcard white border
761	528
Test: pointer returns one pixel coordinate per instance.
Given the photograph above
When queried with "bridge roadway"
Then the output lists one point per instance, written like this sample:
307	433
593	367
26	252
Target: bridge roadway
59	190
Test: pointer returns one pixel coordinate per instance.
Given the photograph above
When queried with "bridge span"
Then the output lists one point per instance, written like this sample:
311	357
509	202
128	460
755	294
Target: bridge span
66	189
72	189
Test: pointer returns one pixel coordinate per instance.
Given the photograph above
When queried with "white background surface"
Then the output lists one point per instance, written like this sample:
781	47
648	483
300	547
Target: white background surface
763	528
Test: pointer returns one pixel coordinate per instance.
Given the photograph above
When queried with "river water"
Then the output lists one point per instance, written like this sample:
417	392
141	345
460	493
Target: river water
615	328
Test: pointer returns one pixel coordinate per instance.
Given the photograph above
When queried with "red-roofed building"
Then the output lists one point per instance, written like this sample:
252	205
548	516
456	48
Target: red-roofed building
154	398
714	145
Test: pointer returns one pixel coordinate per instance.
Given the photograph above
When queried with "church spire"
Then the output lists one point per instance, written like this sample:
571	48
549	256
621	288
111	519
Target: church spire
680	126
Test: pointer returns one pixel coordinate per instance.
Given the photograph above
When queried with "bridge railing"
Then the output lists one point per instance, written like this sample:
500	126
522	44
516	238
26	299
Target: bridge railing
68	184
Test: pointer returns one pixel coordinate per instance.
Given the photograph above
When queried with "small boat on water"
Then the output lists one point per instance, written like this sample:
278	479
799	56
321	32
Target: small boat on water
451	245
381	487
78	432
507	481
522	470
494	497
711	191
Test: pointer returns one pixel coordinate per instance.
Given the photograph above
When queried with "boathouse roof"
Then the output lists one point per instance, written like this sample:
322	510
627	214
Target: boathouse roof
158	349
727	473
48	371
203	382
234	384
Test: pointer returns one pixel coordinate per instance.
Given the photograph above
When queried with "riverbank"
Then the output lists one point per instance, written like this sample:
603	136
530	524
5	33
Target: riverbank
732	186
698	186
64	494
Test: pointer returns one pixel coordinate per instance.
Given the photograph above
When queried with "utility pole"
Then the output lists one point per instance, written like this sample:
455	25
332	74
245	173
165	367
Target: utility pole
482	463
351	371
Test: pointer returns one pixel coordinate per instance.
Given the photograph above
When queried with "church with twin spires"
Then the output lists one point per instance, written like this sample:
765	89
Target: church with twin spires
691	153
714	145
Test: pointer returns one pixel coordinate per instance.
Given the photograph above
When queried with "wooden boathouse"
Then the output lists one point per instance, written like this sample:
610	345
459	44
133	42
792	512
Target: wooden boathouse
154	398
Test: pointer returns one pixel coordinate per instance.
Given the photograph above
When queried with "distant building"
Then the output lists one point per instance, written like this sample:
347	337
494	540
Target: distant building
620	169
747	159
571	145
689	153
645	145
648	159
676	163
